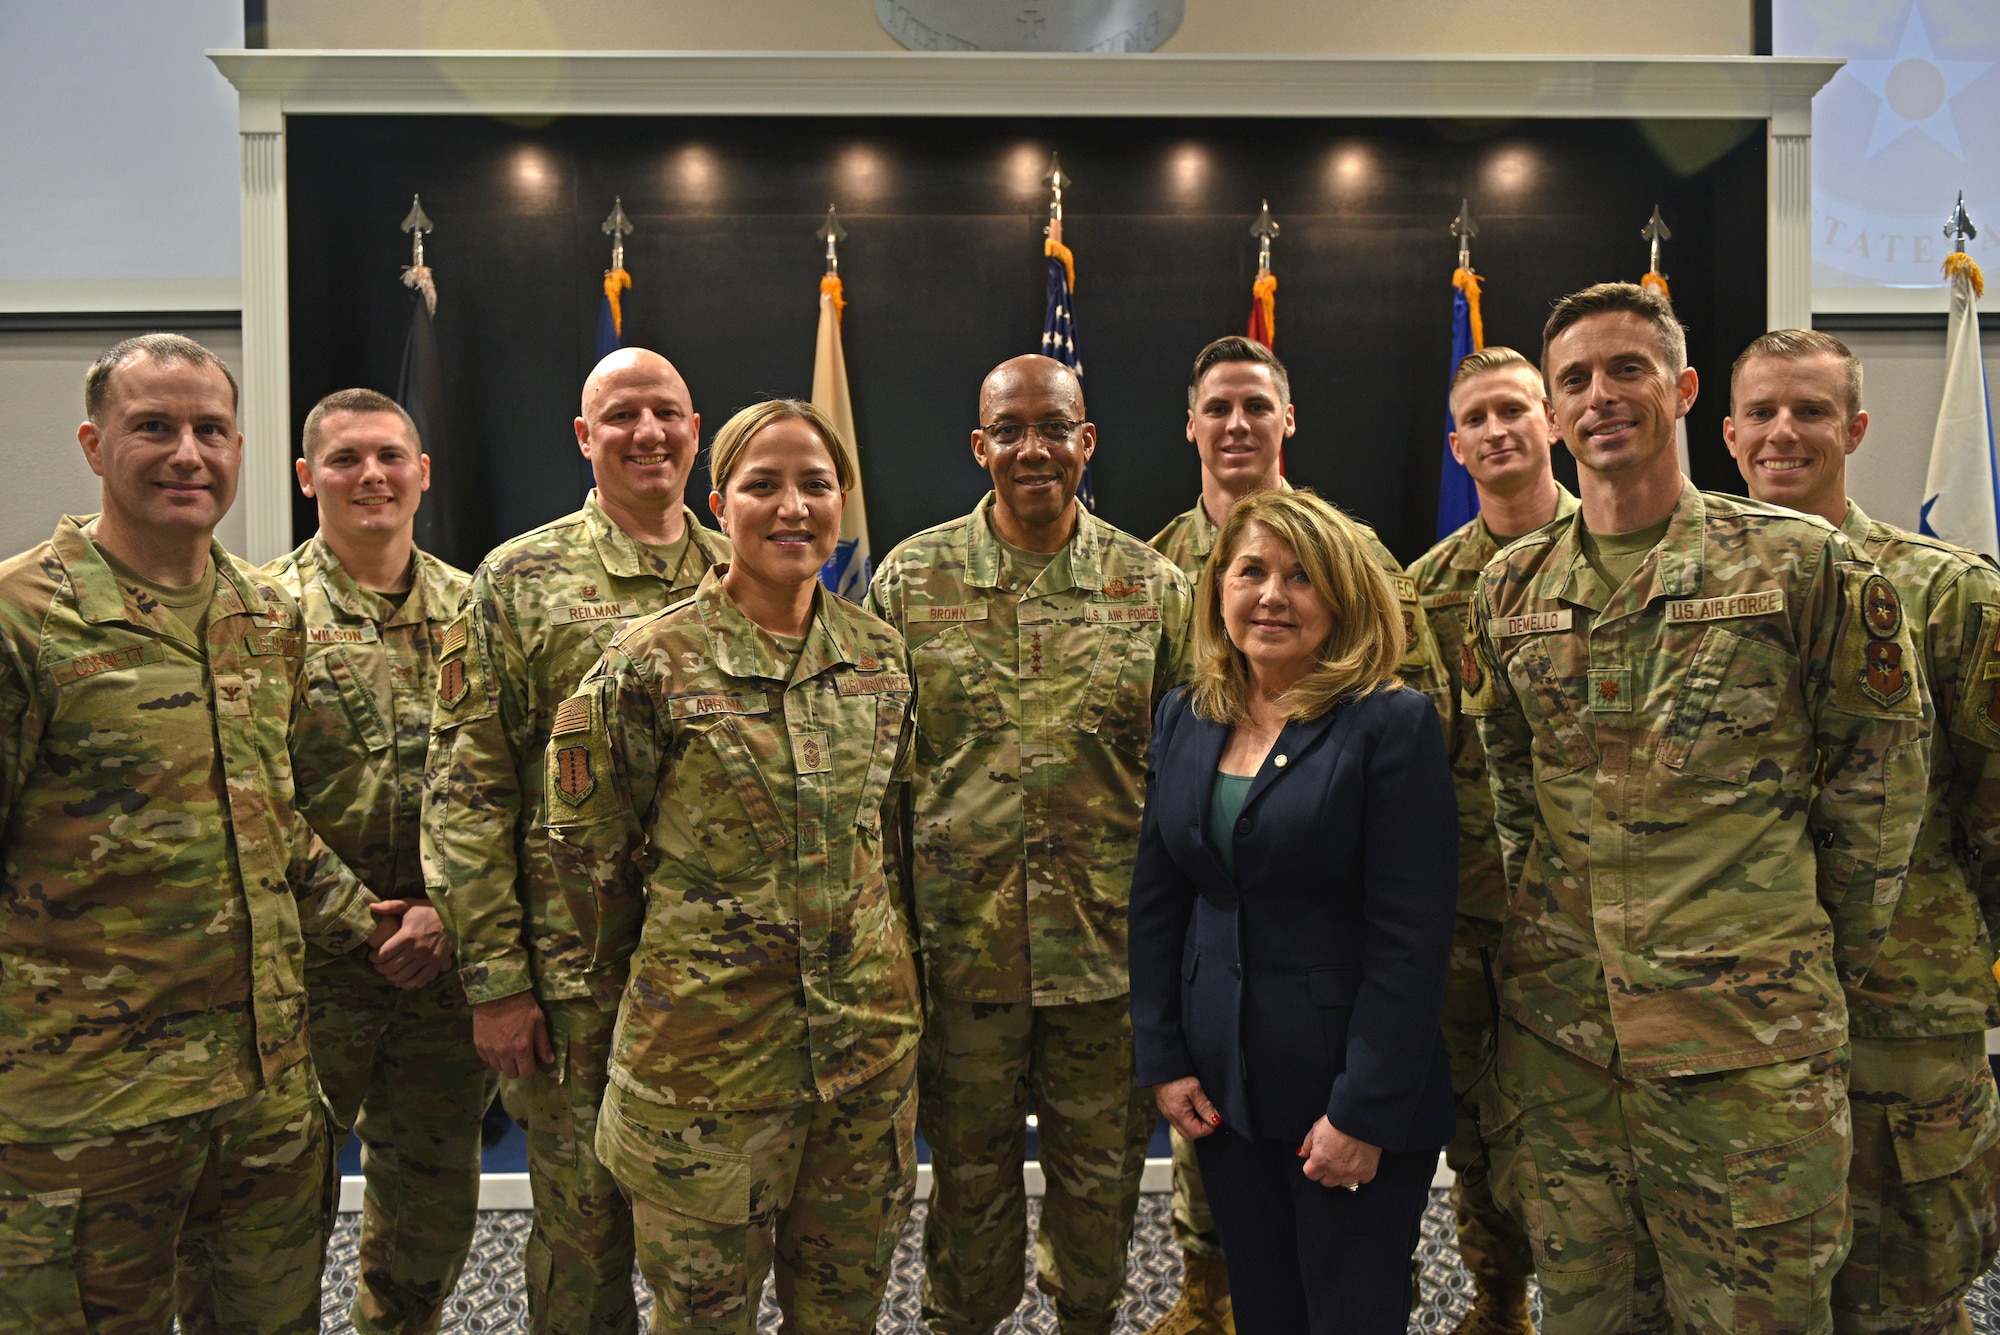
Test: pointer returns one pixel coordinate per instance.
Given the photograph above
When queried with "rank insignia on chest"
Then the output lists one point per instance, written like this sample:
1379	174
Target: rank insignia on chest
452	682
1881	608
573	777
232	695
813	754
1884	678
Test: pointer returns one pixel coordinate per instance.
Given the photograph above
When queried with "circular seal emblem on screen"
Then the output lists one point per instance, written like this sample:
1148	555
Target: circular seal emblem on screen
989	25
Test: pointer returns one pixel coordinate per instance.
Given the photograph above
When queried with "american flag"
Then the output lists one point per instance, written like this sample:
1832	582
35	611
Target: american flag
1059	340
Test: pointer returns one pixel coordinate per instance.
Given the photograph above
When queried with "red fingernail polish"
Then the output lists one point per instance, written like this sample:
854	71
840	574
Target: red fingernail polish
1215	1119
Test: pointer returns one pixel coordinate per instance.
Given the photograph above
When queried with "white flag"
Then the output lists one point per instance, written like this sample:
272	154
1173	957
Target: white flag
847	572
1962	493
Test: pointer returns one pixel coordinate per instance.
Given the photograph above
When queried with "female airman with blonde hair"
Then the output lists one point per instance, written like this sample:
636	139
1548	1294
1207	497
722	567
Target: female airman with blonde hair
1291	922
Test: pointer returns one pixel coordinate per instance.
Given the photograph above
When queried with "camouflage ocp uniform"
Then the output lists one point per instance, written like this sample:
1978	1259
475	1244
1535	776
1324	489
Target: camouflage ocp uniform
1490	1241
1707	784
1926	1113
1187	541
399	1066
155	1092
725	820
1035	696
541	610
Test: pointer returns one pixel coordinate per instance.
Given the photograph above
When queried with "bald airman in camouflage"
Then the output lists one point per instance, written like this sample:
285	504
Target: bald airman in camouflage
1502	435
394	1051
726	797
541	609
1926	1113
160	1125
1708	749
1041	638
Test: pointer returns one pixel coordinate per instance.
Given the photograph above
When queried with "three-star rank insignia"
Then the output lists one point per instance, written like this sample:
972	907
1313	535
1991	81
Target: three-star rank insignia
1884	677
452	682
1881	609
573	777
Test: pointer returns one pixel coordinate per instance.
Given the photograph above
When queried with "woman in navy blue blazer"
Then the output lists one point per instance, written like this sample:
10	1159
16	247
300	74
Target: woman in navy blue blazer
1290	922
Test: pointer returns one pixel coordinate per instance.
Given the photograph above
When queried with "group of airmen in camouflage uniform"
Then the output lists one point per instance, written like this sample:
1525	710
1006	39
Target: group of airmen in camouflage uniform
729	885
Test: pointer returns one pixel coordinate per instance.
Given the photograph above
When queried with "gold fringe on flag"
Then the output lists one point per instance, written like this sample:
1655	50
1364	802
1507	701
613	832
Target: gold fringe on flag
1656	282
418	278
1057	250
830	286
616	281
1956	263
1264	297
1467	282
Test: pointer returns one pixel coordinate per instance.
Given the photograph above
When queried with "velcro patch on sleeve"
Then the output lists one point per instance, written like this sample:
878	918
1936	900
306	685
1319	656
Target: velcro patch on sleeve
454	639
1406	588
572	715
1531	623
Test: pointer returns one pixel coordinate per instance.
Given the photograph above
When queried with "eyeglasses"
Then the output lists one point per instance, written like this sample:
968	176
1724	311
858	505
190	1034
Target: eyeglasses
1055	431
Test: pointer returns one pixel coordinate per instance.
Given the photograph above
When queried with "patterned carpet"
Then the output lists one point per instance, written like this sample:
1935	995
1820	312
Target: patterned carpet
489	1299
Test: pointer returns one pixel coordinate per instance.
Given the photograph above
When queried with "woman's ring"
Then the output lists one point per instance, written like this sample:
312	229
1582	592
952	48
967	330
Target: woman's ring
1352	1186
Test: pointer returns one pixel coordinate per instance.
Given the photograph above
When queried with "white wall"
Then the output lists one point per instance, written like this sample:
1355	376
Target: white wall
1901	387
45	477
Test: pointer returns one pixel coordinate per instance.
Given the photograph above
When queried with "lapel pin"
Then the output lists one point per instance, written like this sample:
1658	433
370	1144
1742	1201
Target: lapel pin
1280	762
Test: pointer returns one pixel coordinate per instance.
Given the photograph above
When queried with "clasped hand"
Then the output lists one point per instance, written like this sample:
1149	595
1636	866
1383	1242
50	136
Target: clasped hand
408	946
1336	1159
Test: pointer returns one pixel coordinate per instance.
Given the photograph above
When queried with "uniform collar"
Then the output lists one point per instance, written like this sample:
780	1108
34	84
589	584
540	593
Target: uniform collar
1672	569
625	557
430	586
742	648
983	553
1479	546
1206	530
98	597
1856	524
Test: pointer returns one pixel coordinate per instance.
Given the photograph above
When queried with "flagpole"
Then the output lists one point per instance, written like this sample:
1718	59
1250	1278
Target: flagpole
1458	498
1655	280
1059	312
848	570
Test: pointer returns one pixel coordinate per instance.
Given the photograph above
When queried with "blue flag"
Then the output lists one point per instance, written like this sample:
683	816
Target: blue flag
1458	499
1059	340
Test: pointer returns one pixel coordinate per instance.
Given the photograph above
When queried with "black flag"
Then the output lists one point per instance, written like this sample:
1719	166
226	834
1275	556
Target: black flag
443	526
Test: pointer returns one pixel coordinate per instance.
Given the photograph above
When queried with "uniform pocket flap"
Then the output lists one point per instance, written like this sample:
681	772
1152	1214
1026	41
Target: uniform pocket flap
38	1230
1788	1181
694	1180
1943	1136
1336	986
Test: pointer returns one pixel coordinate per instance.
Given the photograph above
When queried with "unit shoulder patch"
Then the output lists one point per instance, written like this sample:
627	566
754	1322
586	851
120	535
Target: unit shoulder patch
1885	678
1881	609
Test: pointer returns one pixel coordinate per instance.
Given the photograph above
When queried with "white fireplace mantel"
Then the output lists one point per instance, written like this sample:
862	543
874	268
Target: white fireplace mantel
273	85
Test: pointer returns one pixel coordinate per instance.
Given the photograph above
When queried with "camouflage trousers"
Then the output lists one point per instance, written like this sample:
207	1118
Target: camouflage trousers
1194	1226
579	1254
1694	1204
819	1192
1491	1242
401	1069
980	1065
220	1218
1926	1166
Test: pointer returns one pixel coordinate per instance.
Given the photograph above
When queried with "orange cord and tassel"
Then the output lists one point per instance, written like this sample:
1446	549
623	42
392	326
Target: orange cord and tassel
615	282
1656	282
1467	282
1055	249
829	286
1956	263
1264	308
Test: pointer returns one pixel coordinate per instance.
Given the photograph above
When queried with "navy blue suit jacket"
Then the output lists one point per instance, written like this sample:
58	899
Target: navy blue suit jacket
1308	983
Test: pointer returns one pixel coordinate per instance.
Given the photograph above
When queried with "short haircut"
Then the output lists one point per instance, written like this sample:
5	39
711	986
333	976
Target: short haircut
1796	344
729	442
351	401
1236	348
1655	309
1495	358
1362	649
164	350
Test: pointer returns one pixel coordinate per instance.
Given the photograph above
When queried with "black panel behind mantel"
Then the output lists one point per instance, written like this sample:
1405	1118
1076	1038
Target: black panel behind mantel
945	278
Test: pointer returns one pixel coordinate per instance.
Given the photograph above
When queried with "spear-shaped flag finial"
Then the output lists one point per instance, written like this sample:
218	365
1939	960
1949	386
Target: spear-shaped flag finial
1958	227
1265	229
1057	182
1655	231
417	274
617	226
833	234
1465	227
